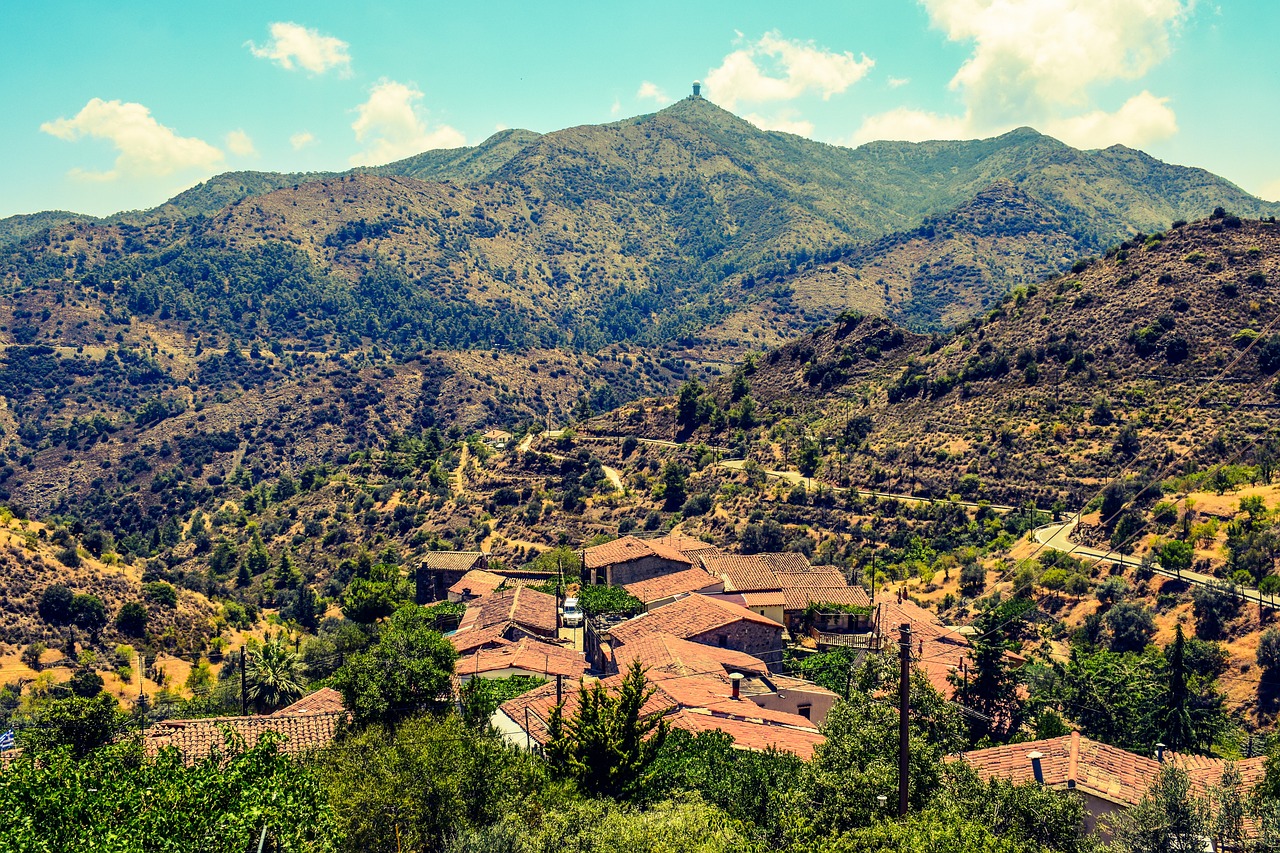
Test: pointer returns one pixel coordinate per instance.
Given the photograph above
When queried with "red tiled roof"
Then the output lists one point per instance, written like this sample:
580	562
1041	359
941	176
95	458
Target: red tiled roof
527	654
687	545
519	605
1071	761
479	582
761	599
752	736
742	572
666	653
687	617
799	598
477	638
630	548
197	739
677	583
326	700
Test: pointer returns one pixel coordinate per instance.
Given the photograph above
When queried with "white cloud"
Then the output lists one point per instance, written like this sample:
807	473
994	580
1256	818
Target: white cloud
1144	118
146	147
799	127
911	126
301	140
650	91
898	82
394	129
1036	62
239	143
293	45
790	69
616	109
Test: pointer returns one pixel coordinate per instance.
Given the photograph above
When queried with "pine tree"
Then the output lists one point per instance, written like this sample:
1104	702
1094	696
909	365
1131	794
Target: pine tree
1179	733
608	745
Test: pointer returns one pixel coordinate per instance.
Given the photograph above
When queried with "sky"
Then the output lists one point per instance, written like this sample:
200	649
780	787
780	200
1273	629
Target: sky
118	106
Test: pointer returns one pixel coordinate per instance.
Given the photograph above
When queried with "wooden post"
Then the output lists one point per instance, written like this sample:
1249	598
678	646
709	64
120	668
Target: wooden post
244	694
904	710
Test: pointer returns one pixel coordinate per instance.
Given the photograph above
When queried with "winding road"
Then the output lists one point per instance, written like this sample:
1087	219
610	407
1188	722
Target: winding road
1058	537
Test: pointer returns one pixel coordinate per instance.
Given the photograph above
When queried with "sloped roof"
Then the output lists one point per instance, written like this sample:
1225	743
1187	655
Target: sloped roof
1115	774
519	605
749	735
693	703
630	548
478	581
453	561
742	572
666	653
694	579
197	739
687	617
800	597
528	654
477	638
687	545
326	700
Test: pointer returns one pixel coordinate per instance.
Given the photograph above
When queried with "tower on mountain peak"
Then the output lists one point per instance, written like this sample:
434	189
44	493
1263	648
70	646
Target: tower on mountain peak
697	89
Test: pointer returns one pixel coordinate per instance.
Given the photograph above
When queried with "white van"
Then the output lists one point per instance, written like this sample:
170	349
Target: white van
572	614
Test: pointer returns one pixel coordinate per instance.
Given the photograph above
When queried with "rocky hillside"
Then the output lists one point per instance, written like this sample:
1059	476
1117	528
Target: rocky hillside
1153	359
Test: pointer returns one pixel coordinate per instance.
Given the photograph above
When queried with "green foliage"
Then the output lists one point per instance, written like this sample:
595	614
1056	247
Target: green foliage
274	676
89	613
368	599
77	723
406	672
480	697
115	799
1168	819
428	779
607	746
990	685
599	600
1213	605
1269	651
131	620
56	605
1131	625
1175	556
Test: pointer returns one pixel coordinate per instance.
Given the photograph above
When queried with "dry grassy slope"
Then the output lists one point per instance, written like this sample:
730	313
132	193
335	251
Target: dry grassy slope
28	566
1036	439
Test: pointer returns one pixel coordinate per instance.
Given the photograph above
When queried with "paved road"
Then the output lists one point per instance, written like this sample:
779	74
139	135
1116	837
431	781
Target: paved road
1058	537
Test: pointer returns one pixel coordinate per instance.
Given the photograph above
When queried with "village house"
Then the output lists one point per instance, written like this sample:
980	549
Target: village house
694	703
1107	778
307	725
701	619
526	656
631	559
476	583
440	570
664	589
506	616
782	586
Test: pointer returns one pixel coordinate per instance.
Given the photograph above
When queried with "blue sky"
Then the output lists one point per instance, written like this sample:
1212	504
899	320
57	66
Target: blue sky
119	106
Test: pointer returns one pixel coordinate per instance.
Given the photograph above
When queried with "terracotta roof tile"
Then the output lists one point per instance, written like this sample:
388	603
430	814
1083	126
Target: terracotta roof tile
519	605
326	700
687	545
197	739
478	582
800	597
660	652
687	617
527	654
752	736
694	579
742	572
630	548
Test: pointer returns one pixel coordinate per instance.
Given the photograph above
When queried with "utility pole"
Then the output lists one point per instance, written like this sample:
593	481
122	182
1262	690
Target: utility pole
904	709
244	694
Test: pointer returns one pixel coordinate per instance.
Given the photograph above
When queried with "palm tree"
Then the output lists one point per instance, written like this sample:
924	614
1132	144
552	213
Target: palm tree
274	676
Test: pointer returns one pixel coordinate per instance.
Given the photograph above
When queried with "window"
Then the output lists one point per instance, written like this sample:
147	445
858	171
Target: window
723	640
805	711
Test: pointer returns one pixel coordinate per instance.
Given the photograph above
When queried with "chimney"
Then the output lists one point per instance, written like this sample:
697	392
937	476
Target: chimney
1036	768
1160	752
735	678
